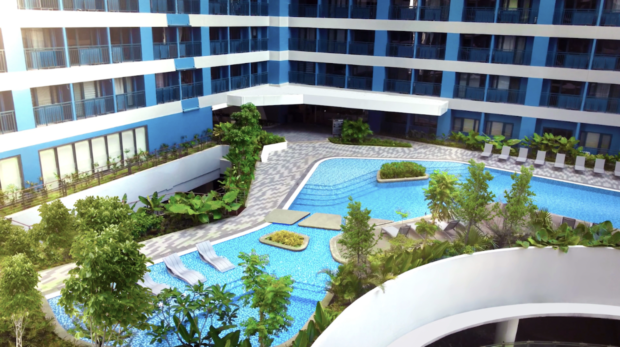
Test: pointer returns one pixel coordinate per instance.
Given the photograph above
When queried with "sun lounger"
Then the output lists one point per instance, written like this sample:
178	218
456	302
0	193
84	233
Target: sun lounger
394	231
559	161
156	288
488	149
505	153
208	255
580	164
569	221
617	171
448	228
177	269
599	166
540	158
522	155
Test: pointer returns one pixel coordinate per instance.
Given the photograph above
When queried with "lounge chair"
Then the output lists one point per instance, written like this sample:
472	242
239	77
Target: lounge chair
177	269
569	221
156	288
559	161
505	153
445	227
580	164
540	158
394	231
522	155
599	166
208	255
617	171
488	149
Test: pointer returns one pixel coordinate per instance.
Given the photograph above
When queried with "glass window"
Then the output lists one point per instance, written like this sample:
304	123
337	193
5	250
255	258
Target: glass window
465	125
114	148
48	165
66	161
82	156
141	140
469	125
129	149
100	155
10	175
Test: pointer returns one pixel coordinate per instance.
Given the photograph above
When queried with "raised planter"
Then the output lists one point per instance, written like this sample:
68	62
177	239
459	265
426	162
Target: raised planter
303	246
267	150
392	180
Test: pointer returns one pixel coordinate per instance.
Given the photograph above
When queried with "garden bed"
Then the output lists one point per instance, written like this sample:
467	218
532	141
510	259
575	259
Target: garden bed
304	243
401	171
405	179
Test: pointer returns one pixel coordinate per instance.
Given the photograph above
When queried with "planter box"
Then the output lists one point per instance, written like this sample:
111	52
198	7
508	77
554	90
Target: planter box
303	246
267	150
392	180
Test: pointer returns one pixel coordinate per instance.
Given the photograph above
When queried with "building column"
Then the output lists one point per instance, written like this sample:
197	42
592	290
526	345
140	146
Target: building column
528	127
481	126
506	331
456	10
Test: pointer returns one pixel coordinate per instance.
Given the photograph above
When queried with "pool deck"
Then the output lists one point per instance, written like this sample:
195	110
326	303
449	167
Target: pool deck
276	181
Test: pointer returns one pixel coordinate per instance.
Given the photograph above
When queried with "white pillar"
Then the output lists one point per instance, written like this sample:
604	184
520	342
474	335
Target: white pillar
506	331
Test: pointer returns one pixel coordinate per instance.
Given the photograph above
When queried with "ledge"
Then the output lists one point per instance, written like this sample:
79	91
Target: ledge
393	180
333	247
303	246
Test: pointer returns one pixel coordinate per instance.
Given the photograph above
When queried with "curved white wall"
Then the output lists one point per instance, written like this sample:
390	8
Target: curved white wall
435	300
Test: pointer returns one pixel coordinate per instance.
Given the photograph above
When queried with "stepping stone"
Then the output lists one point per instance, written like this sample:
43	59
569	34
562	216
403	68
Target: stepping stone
287	217
323	221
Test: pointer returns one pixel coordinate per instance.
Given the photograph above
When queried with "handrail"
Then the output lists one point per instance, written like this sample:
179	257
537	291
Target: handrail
188	6
161	6
302	77
607	105
575	17
239	46
258	79
218	7
8	124
427	88
259	9
191	90
123	6
38	4
303	10
330	46
219	85
89	55
510	96
364	12
434	13
606	62
568	60
331	80
430	52
334	11
515	57
240	8
361	48
479	14
168	94
240	82
126	52
167	50
559	100
259	45
190	49
403	12
45	58
83	5
404	50
518	15
218	47
361	83
54	113
467	92
397	86
129	101
474	54
94	107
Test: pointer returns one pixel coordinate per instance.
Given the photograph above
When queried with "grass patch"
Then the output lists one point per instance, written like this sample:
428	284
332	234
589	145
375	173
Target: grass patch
370	142
402	169
287	238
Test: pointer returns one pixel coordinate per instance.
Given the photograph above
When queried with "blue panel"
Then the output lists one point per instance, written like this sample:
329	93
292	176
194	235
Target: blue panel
448	80
22	101
206	77
381	40
378	76
278	71
278	8
206	41
539	51
145	7
545	11
204	8
184	63
150	90
177	20
452	46
190	104
146	38
533	91
278	38
14	49
456	10
444	124
383	10
481	125
374	120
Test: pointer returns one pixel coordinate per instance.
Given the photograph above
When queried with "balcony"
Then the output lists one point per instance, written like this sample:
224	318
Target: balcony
434	13
123	6
259	9
125	53
219	47
364	12
167	94
397	86
162	6
52	114
329	80
83	5
258	79
403	12
606	62
480	55
259	45
191	90
7	122
45	58
361	48
240	8
165	51
239	46
331	11
470	93
518	15
400	50
190	49
218	7
219	86
300	77
575	17
188	6
427	88
501	56
2	61
89	55
507	96
431	52
130	101
361	83
568	60
303	10
610	18
94	107
240	82
479	14
607	105
301	45
46	5
332	47
565	101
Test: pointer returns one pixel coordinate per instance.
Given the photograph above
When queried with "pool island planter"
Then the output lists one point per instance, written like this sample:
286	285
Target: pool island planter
404	179
304	245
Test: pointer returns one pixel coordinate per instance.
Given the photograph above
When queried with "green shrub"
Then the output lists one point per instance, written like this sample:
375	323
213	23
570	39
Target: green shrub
355	131
14	240
144	222
371	142
98	213
402	169
287	238
269	139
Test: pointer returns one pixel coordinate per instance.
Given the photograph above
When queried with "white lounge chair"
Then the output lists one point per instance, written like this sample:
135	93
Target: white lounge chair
599	166
505	153
208	255
488	150
394	231
617	171
540	158
147	282
445	227
522	155
559	161
177	269
580	164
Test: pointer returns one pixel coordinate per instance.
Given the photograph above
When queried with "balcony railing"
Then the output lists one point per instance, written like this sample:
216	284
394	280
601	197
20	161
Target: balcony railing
397	86
2	61
606	62
239	46
124	53
404	50
611	18
568	60
38	4
501	56
165	51
427	88
467	92
259	45
330	80
362	83
52	114
508	96
607	105
168	94
240	82
218	7
566	101
479	14
361	48
219	85
575	17
190	49
259	9
403	12
94	107
303	10
258	79
518	15
480	55
240	8
188	6
300	77
130	101
123	6
331	11
436	13
191	90
364	12
45	58
431	52
83	5
219	47
301	45
163	6
7	122
326	46
89	55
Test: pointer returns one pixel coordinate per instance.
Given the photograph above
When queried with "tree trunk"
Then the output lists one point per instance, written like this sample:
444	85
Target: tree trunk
19	330
467	233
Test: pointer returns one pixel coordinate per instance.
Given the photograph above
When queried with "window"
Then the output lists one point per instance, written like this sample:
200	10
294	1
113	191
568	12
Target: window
596	140
465	125
10	174
499	128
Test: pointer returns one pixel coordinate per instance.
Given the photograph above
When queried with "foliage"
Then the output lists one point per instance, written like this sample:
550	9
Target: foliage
475	242
287	238
355	131
15	240
541	219
601	235
402	169
426	228
57	226
402	243
101	294
556	144
440	194
97	213
144	222
201	208
267	138
152	205
403	214
358	237
38	332
499	141
373	141
317	325
19	297
270	295
470	140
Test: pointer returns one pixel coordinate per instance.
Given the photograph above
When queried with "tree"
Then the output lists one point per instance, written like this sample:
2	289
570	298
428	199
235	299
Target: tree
19	297
426	228
271	296
56	229
98	213
15	240
440	195
470	203
519	206
358	237
101	293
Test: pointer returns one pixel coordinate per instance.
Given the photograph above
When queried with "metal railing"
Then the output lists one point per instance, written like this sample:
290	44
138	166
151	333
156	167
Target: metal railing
128	52
94	107
610	18
2	61
259	9
83	5
302	10
130	101
518	15
330	80
45	58
431	52
219	47
557	100
191	90
400	50
508	96
403	12
123	6
165	51
52	114
568	60
364	12
480	55
361	83
607	105
259	45
239	46
361	48
545	344
397	86
436	13
326	46
240	82
188	6
8	124
240	8
301	77
519	57
427	88
190	49
258	79
479	14
89	55
167	94
606	62
163	6
219	86
333	11
218	7
467	92
302	45
575	17
38	4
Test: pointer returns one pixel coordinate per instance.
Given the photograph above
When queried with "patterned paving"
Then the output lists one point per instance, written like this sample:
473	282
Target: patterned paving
276	180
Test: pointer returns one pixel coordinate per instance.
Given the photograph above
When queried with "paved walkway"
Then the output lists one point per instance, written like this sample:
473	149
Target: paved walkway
276	180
